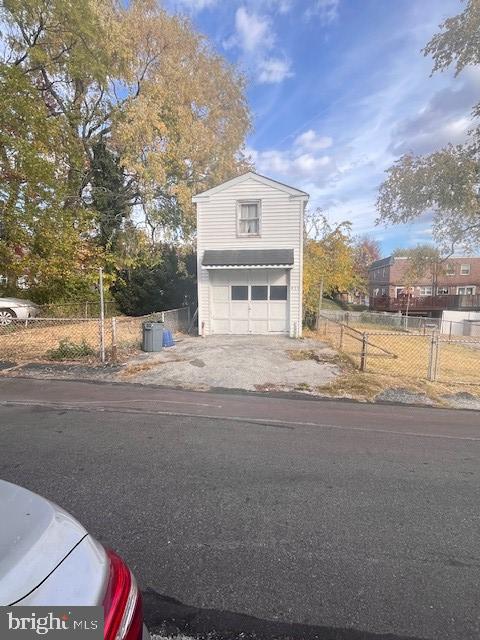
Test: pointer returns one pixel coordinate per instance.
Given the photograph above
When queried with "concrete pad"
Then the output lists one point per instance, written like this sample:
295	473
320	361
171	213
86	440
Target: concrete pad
237	362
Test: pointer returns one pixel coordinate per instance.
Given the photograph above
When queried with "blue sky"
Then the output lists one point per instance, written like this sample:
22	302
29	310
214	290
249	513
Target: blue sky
338	90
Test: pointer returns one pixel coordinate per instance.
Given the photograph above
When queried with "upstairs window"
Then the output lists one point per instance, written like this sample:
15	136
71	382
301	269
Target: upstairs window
450	269
248	223
464	269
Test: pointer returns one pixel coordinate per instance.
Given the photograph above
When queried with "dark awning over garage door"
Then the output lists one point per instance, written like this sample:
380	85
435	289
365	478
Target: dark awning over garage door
248	258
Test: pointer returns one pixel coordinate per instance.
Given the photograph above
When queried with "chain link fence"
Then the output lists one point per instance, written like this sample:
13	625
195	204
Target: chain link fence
430	356
81	339
392	321
83	309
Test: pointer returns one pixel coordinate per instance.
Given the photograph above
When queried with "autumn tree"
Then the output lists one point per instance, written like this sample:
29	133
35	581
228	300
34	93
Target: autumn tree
40	238
328	257
130	107
365	251
444	183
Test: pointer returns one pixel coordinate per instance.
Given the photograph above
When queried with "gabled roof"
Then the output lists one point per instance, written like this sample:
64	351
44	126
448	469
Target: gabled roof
251	175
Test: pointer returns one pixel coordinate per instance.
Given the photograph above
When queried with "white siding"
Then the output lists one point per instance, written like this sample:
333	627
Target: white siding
281	228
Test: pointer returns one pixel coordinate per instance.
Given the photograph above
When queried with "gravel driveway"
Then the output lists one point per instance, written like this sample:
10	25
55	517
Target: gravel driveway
237	362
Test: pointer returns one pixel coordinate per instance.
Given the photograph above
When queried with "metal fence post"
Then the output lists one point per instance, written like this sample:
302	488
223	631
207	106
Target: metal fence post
102	317
340	346
433	357
363	355
114	339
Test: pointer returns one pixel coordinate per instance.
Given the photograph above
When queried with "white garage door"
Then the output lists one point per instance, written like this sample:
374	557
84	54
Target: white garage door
249	301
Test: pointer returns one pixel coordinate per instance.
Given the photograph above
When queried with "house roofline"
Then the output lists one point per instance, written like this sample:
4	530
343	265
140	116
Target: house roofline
292	191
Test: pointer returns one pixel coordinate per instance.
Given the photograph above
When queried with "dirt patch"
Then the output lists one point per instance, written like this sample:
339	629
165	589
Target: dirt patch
197	363
310	354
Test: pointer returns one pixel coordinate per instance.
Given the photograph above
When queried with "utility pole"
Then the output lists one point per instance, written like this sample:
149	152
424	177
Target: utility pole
320	302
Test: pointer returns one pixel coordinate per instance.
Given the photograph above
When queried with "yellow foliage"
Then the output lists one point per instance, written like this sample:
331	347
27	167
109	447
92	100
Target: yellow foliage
329	257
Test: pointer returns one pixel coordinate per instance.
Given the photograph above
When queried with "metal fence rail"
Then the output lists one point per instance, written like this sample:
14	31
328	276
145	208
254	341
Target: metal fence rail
430	356
82	309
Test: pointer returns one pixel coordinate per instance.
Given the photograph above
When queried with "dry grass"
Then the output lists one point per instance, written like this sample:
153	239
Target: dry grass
366	386
23	342
406	355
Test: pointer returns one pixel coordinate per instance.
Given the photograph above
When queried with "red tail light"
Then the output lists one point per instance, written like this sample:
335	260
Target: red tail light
122	603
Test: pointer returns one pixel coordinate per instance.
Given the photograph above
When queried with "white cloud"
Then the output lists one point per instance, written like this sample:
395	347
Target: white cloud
282	6
252	32
273	70
311	141
193	6
255	36
307	167
325	10
444	118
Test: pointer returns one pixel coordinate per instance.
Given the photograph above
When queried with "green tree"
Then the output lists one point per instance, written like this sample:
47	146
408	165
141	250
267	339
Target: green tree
111	194
444	183
163	280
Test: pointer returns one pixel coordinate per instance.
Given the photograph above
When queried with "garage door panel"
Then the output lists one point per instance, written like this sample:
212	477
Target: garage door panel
220	294
239	310
258	326
239	326
222	310
277	326
259	310
278	310
232	313
221	326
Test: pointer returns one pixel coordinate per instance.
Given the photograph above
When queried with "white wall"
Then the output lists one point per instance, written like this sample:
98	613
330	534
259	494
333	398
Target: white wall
281	228
458	323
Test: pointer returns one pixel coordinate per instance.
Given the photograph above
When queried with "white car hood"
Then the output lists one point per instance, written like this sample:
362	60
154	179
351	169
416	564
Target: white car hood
35	536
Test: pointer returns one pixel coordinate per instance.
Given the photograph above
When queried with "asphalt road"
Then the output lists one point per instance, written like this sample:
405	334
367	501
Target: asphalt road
325	516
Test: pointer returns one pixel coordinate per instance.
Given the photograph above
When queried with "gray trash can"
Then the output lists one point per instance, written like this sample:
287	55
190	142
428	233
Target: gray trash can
152	336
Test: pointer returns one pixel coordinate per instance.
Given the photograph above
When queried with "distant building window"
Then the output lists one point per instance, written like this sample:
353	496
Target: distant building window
3	280
464	269
442	291
384	272
466	291
376	291
425	291
450	269
248	223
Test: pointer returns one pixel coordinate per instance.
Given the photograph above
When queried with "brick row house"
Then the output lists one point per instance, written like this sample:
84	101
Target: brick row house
456	286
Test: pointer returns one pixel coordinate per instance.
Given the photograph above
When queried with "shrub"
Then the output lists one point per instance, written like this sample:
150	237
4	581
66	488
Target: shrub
68	350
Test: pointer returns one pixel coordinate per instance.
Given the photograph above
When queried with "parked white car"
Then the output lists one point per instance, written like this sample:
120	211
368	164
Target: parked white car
11	308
